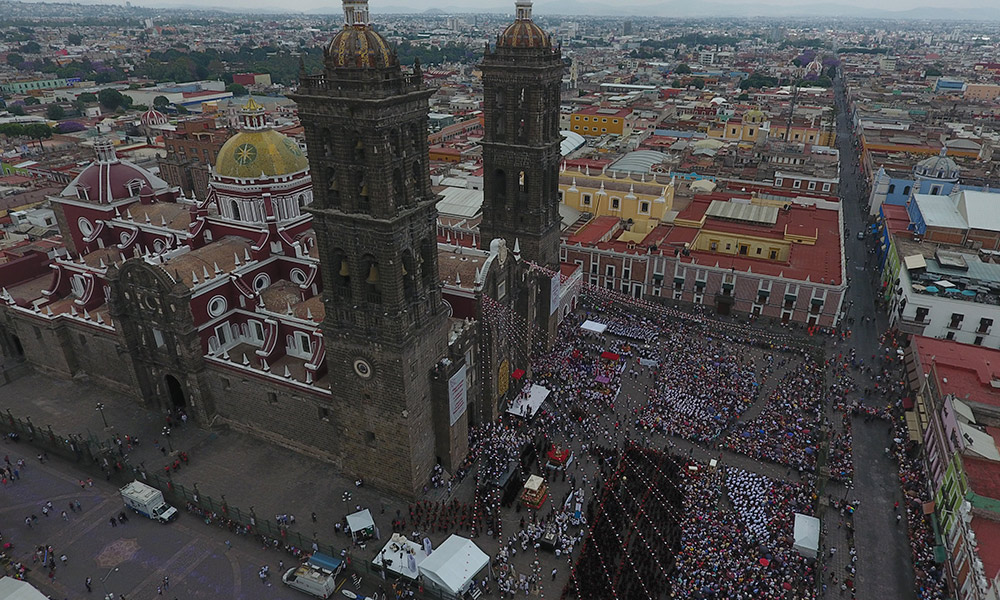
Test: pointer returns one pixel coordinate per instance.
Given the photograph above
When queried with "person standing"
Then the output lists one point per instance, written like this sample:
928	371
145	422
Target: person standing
87	583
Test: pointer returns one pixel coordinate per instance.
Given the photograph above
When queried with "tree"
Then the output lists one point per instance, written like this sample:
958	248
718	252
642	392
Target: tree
698	83
31	48
74	39
111	99
87	98
932	72
181	109
55	112
15	60
236	89
38	131
12	130
16	110
31	101
682	69
160	101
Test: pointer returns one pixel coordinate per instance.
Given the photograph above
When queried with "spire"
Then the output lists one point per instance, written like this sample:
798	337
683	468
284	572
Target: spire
356	13
523	10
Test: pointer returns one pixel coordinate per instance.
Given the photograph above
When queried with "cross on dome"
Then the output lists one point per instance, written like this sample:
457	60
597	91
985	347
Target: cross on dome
356	13
523	10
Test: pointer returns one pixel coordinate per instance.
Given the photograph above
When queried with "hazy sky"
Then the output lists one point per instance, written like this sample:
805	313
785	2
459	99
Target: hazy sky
549	6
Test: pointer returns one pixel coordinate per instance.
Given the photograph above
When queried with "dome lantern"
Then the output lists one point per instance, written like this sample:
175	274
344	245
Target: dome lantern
252	116
523	33
105	151
523	10
356	13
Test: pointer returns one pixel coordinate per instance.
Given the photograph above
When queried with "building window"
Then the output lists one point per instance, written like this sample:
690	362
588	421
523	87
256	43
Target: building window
586	199
921	314
892	188
956	321
773	255
644	208
256	330
797	184
744	250
217	305
906	191
950	336
616	203
222	333
158	338
984	325
826	187
324	413
609	271
713	245
778	181
759	250
979	340
812	185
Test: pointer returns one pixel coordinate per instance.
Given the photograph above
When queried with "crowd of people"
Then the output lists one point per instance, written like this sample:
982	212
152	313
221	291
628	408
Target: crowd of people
785	432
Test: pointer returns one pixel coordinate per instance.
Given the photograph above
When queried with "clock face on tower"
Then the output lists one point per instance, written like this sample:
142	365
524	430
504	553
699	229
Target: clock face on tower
362	368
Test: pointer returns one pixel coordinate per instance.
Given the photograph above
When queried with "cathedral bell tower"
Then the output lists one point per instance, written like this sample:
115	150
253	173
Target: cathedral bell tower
522	78
374	214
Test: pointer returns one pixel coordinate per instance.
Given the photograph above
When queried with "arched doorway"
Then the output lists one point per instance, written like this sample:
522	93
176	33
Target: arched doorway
175	392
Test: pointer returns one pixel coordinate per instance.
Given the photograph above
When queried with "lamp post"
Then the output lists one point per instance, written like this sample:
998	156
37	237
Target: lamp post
166	434
100	408
104	586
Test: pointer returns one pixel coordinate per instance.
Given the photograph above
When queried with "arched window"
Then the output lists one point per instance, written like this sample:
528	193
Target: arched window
906	191
234	208
341	275
327	142
500	186
399	186
892	188
332	188
427	263
417	176
372	283
364	205
409	276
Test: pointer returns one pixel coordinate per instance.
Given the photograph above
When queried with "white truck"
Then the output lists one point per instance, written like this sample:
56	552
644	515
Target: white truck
148	501
316	577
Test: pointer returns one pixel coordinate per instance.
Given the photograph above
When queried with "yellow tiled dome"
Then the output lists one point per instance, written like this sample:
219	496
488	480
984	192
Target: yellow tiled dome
360	46
251	154
524	34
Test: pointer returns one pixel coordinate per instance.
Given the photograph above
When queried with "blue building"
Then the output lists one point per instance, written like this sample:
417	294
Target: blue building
937	176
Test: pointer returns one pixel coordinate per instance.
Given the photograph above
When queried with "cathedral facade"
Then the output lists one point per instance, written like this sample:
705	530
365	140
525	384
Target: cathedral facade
301	300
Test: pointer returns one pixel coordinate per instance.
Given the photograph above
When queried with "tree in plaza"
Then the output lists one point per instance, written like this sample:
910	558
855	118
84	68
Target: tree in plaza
111	99
55	112
160	101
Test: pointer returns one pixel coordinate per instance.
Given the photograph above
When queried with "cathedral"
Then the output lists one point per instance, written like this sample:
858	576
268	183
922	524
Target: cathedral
302	301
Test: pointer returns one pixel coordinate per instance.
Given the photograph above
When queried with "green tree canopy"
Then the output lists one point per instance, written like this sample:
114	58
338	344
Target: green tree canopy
16	110
932	72
31	101
160	101
682	69
31	48
15	60
87	97
12	130
55	112
111	99
74	39
236	89
38	131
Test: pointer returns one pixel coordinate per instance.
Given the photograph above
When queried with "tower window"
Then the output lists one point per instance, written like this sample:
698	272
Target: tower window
234	209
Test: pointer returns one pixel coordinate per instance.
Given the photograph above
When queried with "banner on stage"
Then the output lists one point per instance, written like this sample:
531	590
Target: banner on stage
457	394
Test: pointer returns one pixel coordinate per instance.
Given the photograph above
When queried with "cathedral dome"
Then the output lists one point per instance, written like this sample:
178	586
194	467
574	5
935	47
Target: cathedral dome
259	151
153	117
110	179
937	167
524	33
358	45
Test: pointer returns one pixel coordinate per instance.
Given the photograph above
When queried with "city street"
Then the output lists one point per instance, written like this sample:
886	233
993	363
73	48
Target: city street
885	568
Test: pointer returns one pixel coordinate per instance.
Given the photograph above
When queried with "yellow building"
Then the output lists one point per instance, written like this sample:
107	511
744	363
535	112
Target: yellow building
749	127
643	199
805	134
982	92
596	121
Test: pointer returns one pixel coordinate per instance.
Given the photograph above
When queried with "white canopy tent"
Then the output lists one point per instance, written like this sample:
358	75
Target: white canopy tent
454	564
15	589
359	522
396	555
527	406
593	326
806	535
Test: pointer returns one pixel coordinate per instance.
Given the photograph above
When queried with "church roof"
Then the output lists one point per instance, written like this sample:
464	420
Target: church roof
264	153
524	33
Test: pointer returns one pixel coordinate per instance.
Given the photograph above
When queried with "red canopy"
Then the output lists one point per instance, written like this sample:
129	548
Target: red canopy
907	403
609	355
517	374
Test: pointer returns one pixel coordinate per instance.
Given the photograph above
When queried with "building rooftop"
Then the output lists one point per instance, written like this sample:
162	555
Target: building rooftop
970	373
940	211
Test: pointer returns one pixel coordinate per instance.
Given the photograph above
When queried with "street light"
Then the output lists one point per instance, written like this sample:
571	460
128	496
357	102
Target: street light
100	408
166	434
104	579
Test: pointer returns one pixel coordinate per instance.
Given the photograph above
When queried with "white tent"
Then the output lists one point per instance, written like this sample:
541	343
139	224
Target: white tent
806	535
359	522
15	589
396	555
528	405
593	326
454	564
